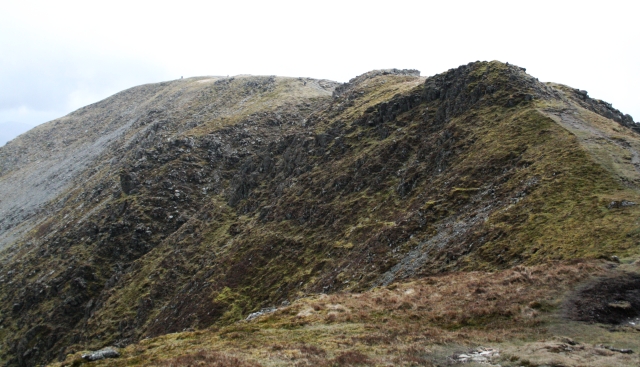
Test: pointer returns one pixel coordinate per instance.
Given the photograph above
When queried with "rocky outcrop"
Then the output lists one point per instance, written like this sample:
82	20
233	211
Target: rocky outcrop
602	108
101	354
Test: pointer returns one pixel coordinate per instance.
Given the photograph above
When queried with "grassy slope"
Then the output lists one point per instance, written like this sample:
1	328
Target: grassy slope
564	189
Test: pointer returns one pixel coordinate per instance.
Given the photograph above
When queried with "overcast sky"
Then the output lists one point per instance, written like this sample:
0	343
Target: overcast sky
57	56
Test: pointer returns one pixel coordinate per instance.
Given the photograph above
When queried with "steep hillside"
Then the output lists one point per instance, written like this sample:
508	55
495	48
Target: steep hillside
196	202
39	168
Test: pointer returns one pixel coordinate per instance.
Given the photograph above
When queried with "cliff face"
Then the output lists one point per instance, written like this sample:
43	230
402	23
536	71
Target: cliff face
196	202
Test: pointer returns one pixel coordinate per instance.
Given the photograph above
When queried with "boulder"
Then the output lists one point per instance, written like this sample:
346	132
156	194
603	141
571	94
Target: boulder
101	354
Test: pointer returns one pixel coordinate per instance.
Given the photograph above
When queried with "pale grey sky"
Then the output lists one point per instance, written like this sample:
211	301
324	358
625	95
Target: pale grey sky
57	56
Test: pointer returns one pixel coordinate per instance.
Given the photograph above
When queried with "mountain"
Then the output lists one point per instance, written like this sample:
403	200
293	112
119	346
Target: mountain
9	130
186	206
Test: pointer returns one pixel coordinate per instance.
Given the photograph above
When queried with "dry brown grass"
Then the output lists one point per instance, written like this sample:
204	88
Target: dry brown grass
204	358
479	300
417	323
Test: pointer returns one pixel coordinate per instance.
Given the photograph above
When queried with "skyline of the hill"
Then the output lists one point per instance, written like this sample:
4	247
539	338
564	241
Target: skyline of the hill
10	130
58	57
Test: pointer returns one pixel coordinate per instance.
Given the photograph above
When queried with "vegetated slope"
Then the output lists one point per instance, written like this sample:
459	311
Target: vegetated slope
509	318
250	192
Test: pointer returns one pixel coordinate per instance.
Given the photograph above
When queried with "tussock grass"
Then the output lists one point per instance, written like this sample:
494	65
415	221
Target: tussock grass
421	322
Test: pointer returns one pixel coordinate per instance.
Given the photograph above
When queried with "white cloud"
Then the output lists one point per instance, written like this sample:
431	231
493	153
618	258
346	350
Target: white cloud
42	73
57	56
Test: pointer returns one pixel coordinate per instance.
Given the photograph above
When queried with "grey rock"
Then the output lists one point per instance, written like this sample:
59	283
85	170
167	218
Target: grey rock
264	311
101	354
628	119
620	204
583	94
480	356
126	182
624	351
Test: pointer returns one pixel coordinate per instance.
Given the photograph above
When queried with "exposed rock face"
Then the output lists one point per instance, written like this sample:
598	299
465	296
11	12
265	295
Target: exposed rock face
205	200
605	109
101	354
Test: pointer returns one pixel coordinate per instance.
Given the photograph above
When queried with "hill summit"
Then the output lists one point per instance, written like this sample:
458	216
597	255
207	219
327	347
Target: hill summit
189	206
